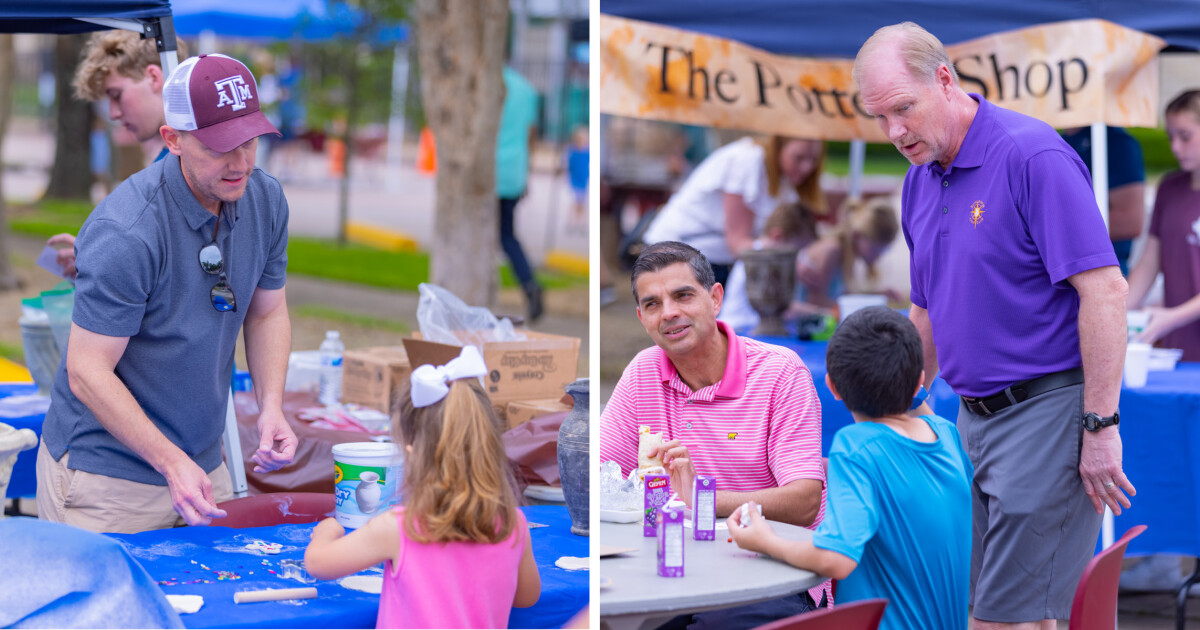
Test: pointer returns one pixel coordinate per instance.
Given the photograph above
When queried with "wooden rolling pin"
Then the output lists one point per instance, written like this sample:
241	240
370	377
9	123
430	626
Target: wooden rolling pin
274	595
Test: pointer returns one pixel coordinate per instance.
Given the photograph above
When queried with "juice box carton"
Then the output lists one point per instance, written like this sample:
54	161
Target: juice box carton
670	542
704	508
658	491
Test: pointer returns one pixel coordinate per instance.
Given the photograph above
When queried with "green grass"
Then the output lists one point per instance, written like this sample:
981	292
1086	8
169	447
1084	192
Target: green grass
352	319
12	352
1156	150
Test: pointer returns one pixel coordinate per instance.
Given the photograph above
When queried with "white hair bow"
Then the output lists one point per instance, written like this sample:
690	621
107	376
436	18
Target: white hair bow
431	384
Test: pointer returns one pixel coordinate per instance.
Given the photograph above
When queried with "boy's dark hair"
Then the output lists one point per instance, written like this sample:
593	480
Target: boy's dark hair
667	253
875	361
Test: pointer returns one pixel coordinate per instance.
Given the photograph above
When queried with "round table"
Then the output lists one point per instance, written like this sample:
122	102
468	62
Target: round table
717	574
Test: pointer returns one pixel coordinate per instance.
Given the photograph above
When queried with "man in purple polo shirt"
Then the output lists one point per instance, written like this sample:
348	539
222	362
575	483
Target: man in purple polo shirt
1017	297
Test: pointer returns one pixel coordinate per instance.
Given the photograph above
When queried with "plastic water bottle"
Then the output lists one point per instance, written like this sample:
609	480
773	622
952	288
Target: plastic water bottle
331	351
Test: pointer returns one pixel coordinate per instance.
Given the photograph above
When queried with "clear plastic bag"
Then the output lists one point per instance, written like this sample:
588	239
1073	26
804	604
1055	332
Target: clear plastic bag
444	318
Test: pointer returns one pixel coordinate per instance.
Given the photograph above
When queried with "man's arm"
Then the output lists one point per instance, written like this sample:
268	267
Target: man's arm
1126	211
797	503
920	319
1102	333
268	334
91	363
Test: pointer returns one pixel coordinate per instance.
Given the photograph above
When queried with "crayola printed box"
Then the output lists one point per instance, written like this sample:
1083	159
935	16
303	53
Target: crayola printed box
670	542
658	491
704	508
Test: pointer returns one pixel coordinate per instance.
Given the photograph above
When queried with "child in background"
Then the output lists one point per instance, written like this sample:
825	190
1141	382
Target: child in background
1173	242
790	225
898	513
457	551
576	159
865	232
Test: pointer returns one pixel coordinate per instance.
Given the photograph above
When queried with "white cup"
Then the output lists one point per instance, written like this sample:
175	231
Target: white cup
851	302
1135	322
1137	364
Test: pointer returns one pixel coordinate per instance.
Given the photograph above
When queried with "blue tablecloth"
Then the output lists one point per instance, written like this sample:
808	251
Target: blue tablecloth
1160	428
24	475
177	558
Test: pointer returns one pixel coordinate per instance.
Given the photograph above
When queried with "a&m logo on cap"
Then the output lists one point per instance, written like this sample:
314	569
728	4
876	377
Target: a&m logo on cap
233	90
976	213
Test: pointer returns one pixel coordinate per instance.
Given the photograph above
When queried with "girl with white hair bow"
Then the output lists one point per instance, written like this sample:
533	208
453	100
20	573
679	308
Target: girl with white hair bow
457	550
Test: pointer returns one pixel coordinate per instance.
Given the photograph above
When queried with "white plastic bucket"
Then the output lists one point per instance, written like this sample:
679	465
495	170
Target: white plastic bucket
367	477
851	302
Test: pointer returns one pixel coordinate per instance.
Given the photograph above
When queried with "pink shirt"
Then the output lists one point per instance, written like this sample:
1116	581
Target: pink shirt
452	585
1176	224
758	427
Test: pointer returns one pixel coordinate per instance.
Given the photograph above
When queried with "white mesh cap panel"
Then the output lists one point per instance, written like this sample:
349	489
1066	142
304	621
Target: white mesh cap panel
177	101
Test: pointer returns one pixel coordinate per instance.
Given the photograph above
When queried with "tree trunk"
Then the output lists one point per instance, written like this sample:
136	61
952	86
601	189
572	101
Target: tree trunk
352	108
71	175
8	280
461	51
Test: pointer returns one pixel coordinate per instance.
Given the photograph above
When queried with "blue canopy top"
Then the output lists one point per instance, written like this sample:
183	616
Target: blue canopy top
57	16
310	20
837	28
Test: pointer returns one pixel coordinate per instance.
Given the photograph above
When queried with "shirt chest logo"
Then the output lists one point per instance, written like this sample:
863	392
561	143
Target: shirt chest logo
976	213
733	436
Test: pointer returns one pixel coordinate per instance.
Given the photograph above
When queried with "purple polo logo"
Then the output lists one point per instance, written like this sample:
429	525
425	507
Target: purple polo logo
234	91
976	213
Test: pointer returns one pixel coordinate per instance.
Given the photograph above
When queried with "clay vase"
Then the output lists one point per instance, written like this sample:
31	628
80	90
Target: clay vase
573	467
770	283
368	492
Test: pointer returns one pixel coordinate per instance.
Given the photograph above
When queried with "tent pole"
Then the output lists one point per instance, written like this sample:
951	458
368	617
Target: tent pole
395	142
1100	170
858	158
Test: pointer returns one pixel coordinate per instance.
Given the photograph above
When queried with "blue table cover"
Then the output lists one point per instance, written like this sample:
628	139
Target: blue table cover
212	562
24	476
1160	429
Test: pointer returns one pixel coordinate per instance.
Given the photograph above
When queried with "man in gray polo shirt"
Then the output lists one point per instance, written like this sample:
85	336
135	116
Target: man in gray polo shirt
171	265
1018	298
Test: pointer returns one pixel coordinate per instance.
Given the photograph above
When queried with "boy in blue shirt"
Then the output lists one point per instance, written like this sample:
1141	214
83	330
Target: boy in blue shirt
898	513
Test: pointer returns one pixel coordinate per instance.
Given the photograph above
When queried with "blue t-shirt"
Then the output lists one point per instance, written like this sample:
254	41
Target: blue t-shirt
1125	166
993	240
520	112
902	510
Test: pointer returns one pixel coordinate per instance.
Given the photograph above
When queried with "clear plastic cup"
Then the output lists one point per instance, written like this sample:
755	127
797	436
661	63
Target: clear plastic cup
1137	364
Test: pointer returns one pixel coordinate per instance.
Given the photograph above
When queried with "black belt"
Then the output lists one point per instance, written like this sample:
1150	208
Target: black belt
1022	391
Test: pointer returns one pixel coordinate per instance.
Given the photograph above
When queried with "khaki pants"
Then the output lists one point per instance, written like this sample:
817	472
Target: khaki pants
107	504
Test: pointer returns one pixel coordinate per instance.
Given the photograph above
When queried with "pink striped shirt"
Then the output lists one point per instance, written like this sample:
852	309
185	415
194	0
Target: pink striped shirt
758	427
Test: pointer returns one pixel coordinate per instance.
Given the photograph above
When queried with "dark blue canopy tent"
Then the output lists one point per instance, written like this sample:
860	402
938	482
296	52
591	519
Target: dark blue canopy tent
837	29
151	18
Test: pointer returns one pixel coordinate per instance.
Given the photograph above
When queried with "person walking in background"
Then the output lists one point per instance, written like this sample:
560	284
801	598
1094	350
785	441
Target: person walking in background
1173	244
576	163
723	204
1015	278
125	69
1126	185
514	148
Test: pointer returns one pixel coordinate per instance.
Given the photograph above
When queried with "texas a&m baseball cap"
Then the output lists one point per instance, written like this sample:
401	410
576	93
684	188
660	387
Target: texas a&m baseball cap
216	99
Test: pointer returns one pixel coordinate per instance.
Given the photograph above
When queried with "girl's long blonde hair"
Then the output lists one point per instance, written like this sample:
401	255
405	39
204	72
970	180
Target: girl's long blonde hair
874	220
810	189
457	482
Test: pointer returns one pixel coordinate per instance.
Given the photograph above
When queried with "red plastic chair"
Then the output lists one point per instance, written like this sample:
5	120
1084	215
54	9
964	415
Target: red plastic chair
860	615
1095	604
281	508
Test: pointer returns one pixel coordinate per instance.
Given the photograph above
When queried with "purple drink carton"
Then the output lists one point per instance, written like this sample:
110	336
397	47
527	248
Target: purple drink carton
704	508
670	542
658	491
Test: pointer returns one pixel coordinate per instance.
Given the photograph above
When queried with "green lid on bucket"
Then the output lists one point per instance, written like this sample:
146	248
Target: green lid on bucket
33	302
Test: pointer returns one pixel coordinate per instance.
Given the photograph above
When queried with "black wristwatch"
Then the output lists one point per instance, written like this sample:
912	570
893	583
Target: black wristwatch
1093	422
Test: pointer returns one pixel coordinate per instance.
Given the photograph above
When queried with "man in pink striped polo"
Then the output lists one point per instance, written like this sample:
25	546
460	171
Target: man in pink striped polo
740	410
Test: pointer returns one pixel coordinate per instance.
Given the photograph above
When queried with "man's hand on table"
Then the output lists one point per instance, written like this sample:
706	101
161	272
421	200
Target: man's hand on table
679	466
277	442
191	492
755	534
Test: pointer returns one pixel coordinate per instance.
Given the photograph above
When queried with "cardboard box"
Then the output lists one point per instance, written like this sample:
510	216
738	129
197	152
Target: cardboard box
540	366
522	411
371	375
